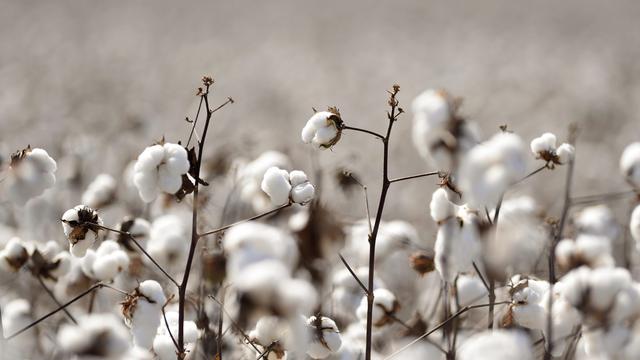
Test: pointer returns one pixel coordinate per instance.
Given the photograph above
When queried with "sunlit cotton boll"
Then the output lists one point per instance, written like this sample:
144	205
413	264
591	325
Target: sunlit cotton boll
497	345
16	314
490	168
96	336
163	345
167	240
441	208
78	225
142	310
384	304
526	309
301	189
469	290
634	226
100	192
105	263
325	337
159	168
565	153
276	184
31	172
545	143
250	176
457	244
13	256
272	332
323	129
630	164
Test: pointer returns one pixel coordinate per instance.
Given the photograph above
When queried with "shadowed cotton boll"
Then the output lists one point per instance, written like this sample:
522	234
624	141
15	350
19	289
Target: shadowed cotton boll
490	168
276	184
470	290
598	220
16	314
13	256
167	240
78	225
630	164
457	244
100	192
564	318
325	337
590	250
250	176
497	345
384	305
31	172
96	336
526	308
106	262
544	147
347	294
159	168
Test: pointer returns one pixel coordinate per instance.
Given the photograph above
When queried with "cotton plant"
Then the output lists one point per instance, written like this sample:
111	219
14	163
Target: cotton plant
630	164
81	226
284	187
163	345
489	168
160	169
31	172
544	148
100	192
440	134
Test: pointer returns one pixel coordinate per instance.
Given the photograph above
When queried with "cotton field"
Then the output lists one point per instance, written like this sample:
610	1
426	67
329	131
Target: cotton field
323	213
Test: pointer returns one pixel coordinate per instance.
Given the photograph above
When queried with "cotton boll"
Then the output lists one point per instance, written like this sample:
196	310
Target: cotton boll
526	310
163	345
598	220
31	172
606	283
384	304
489	168
497	345
13	256
347	294
160	168
565	153
81	225
249	178
138	228
590	250
109	261
167	239
440	206
16	315
545	143
564	318
295	296
626	305
634	226
143	310
469	290
276	184
95	335
326	339
630	164
323	129
100	192
456	246
302	191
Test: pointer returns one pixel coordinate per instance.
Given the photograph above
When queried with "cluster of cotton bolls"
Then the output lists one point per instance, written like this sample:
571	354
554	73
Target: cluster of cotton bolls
544	147
81	226
32	171
323	129
160	168
284	187
250	176
106	262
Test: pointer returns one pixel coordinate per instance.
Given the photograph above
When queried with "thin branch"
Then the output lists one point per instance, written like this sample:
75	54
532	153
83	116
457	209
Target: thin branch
64	306
256	217
345	127
353	274
442	324
484	281
235	325
366	198
195	122
53	297
415	176
588	199
166	323
132	238
545	166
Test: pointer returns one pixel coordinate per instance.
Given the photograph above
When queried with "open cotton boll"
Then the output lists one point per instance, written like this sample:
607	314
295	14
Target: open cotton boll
546	143
626	306
100	192
490	167
325	340
31	172
295	296
526	309
276	184
271	332
13	256
384	304
167	239
598	220
634	225
138	228
457	245
109	260
630	164
159	168
590	250
302	190
81	225
565	153
16	314
249	178
564	318
163	345
497	345
323	129
101	335
142	310
441	208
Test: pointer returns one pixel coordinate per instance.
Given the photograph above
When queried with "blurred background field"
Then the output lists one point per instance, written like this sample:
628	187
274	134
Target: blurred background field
112	76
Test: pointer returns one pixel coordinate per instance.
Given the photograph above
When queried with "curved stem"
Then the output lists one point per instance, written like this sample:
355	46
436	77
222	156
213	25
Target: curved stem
53	297
256	217
345	127
414	176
